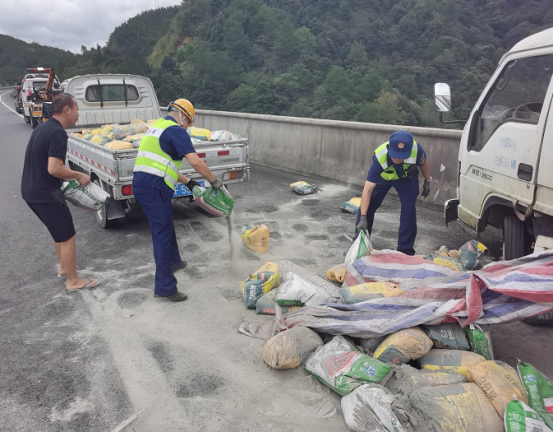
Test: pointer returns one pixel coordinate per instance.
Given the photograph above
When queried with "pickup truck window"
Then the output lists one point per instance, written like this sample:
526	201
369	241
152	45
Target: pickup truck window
111	93
517	96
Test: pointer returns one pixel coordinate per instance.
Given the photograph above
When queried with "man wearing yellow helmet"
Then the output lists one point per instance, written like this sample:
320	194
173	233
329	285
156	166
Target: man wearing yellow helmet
156	172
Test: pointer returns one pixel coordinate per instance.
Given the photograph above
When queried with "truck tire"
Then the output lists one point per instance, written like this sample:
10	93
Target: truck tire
514	238
102	215
26	118
34	122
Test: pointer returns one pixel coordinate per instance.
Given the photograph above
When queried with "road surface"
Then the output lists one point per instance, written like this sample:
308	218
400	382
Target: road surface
116	359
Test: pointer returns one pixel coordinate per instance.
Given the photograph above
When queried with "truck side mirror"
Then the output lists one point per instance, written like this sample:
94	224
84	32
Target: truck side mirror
442	97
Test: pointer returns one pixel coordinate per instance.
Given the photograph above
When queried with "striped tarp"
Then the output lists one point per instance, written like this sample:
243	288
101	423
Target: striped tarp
501	292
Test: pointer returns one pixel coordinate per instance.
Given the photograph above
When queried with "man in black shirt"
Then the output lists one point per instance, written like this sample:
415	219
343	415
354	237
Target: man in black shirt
43	175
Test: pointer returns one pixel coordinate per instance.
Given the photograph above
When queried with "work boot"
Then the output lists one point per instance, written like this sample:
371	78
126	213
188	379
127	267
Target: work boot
177	297
180	266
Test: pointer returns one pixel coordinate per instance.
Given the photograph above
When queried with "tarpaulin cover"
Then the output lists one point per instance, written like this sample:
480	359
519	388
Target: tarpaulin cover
501	292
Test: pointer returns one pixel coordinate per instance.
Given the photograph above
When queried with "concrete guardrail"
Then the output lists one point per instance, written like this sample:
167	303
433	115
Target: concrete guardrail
335	150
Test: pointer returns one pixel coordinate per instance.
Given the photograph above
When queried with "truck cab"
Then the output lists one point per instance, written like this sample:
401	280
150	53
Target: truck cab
32	99
505	155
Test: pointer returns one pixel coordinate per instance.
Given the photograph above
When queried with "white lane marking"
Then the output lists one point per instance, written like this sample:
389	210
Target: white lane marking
15	112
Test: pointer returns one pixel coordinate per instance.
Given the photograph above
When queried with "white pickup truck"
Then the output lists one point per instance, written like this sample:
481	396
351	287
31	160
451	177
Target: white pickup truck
108	99
505	157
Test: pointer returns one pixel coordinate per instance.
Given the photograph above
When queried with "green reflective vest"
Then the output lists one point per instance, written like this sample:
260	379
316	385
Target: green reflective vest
152	159
389	173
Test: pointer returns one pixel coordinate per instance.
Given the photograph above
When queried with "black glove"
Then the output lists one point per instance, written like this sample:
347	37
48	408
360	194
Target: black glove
216	184
362	225
191	184
426	188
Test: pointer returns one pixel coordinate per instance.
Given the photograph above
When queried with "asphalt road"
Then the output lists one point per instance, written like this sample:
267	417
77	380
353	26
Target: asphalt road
114	358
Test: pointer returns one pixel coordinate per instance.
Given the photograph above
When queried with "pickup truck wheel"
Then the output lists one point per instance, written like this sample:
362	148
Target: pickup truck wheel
102	214
514	238
26	118
34	122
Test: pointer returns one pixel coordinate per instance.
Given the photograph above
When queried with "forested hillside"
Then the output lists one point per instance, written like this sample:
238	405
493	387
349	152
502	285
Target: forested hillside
362	60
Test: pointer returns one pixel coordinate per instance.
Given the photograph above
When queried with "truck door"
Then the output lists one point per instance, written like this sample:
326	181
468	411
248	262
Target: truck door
505	135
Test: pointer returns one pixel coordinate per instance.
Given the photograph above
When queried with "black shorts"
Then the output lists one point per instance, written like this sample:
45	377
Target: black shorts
57	218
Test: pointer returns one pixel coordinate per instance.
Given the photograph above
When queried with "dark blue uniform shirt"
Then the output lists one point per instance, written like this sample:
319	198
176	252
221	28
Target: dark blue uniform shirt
175	141
376	169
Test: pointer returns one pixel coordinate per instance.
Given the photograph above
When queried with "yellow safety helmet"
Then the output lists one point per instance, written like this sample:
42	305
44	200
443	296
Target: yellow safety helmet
184	106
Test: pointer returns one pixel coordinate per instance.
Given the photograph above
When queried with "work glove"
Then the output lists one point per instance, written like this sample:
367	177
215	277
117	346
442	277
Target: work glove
412	171
362	225
216	184
426	188
191	184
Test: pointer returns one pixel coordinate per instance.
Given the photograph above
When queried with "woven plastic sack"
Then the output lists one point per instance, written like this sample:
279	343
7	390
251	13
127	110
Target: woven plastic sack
440	360
369	408
448	336
500	383
78	135
450	263
352	206
266	304
338	365
403	346
406	379
296	291
302	188
218	202
522	418
291	348
480	340
539	389
119	145
456	408
360	248
336	273
222	135
121	132
256	237
100	140
199	133
89	197
369	291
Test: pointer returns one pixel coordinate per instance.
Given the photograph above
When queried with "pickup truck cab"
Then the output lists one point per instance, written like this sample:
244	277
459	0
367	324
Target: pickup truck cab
105	99
505	156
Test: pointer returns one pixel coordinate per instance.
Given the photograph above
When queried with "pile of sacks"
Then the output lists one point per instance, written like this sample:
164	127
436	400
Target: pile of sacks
438	378
121	137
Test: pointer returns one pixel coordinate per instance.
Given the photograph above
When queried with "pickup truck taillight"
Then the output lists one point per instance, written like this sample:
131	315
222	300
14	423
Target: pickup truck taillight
232	175
127	190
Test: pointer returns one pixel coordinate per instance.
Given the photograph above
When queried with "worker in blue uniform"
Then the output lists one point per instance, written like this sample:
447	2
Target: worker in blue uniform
395	165
156	173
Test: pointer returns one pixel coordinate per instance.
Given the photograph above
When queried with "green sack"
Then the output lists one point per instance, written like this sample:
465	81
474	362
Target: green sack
470	254
521	418
447	336
539	389
253	290
480	340
218	202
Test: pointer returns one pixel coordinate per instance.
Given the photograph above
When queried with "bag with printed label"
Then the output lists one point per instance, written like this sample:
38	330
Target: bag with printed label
403	346
259	283
369	291
448	336
89	197
522	418
256	237
480	340
199	133
359	249
342	368
352	206
441	360
302	188
539	389
266	304
218	202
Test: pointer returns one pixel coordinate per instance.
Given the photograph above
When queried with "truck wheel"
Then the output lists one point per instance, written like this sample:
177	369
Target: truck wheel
34	122
26	118
514	238
102	214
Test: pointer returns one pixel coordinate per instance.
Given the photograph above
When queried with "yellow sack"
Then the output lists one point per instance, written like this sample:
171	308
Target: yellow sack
369	291
85	132
456	408
96	131
450	360
403	346
336	273
256	238
271	281
302	188
78	135
151	121
291	348
500	382
137	121
134	137
119	145
201	134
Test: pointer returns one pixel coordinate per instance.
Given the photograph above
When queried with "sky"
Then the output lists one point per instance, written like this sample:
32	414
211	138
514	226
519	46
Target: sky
68	24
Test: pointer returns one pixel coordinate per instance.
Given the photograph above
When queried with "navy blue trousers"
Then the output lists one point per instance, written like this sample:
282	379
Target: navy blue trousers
156	204
408	190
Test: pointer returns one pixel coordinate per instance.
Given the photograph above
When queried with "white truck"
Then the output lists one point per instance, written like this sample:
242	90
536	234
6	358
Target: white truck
32	96
505	156
108	99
